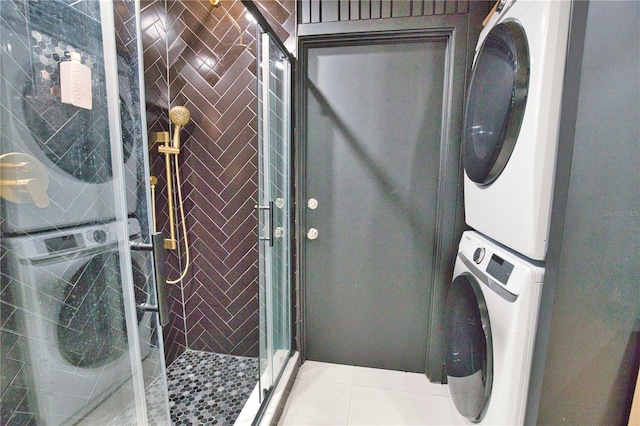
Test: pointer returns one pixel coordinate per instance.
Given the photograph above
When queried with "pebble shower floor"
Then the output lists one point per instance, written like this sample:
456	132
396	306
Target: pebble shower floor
204	388
209	389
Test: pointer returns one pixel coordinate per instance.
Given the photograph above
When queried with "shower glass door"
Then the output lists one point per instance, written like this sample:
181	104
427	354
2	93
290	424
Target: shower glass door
274	210
76	346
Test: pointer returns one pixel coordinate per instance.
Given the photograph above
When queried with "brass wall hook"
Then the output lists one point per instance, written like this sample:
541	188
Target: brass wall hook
23	179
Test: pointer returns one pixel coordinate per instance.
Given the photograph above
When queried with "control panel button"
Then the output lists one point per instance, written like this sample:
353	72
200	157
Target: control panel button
478	255
99	236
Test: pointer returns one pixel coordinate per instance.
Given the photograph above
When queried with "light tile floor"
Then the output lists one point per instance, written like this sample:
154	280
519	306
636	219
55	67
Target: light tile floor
332	394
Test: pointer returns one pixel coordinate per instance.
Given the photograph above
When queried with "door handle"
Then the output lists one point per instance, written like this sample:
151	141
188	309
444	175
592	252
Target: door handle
268	208
159	260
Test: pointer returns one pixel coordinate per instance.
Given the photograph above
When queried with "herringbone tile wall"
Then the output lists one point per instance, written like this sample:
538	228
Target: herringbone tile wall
204	58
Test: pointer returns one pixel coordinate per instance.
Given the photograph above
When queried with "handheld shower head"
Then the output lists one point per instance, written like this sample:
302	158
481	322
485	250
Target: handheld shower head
179	116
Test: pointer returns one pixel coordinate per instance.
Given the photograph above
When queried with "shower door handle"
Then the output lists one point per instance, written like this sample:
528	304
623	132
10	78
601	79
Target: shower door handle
159	260
268	208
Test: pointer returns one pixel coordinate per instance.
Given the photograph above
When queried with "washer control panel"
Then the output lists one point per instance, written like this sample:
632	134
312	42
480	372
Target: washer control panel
54	243
500	269
499	265
63	243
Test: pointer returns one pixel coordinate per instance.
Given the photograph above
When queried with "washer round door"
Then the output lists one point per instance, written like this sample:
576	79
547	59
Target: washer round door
91	328
496	102
468	347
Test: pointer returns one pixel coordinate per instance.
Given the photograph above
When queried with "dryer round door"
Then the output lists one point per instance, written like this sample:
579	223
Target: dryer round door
79	142
468	347
495	102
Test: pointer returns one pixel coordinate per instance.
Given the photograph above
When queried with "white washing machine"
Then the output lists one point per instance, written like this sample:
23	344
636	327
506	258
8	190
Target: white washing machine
510	129
67	291
72	143
490	325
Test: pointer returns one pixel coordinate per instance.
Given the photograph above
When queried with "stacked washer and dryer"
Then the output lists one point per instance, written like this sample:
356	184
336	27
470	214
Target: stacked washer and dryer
60	258
509	153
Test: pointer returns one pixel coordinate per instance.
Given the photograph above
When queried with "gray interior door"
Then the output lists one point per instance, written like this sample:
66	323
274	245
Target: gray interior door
372	152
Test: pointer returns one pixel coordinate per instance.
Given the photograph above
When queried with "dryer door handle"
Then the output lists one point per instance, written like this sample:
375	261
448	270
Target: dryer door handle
159	260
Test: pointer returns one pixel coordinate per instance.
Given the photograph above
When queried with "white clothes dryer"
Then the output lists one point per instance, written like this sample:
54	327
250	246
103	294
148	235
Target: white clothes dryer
510	129
72	143
68	296
490	324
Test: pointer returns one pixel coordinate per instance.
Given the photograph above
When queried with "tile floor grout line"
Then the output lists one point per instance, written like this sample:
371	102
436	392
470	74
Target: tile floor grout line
349	403
400	390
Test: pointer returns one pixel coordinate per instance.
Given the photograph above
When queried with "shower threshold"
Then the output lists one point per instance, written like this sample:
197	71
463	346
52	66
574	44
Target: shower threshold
275	404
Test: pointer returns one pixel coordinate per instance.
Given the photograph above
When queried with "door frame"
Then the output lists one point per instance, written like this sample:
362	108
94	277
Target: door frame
449	210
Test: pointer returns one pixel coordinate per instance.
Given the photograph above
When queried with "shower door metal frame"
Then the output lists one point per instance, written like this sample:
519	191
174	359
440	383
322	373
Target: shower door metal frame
269	207
115	132
71	287
142	404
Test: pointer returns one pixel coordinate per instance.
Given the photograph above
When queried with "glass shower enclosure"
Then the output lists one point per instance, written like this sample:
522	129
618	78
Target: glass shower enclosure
79	342
274	210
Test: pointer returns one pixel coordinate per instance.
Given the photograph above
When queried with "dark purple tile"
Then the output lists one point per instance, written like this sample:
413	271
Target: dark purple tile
249	346
246	213
243	318
242	247
244	297
245	80
239	122
244	268
214	74
245	141
233	64
238	186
